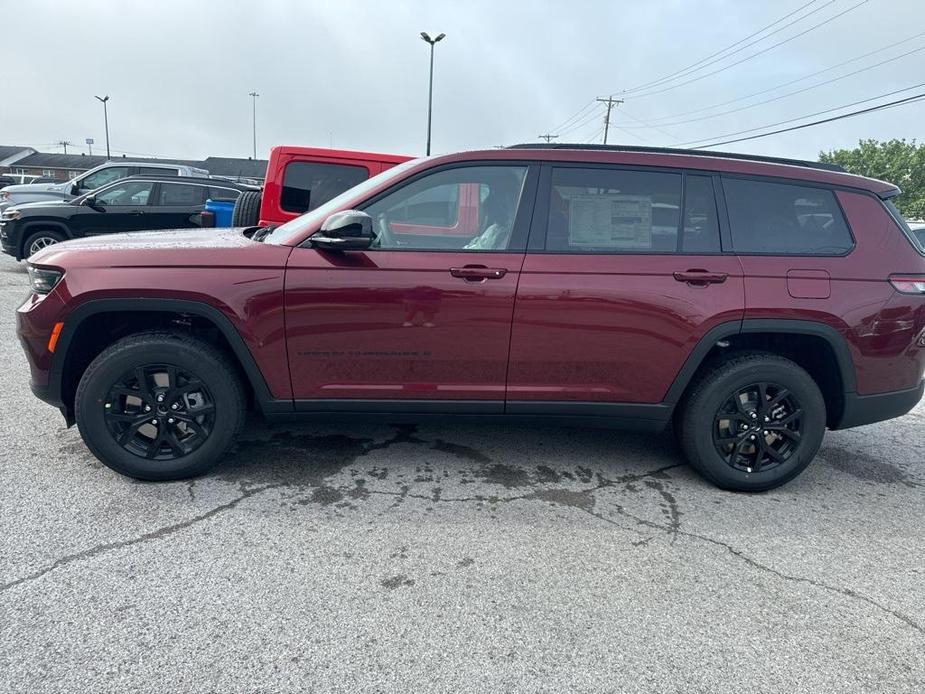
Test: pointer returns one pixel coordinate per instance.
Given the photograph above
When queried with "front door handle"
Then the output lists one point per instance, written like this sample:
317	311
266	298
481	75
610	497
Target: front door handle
478	273
701	277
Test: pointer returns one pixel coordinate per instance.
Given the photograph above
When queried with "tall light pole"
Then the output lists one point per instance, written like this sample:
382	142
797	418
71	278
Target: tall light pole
103	100
254	96
430	92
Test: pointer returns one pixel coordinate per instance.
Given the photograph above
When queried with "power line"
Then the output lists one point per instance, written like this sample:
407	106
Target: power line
787	84
892	104
753	55
594	115
798	91
574	116
703	61
791	120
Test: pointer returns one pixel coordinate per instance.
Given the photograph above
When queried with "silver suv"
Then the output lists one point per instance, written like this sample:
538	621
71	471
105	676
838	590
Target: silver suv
91	180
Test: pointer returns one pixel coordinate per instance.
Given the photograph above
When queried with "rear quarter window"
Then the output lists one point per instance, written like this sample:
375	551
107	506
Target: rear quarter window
785	219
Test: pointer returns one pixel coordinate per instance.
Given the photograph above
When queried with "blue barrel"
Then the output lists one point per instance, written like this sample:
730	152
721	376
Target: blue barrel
222	210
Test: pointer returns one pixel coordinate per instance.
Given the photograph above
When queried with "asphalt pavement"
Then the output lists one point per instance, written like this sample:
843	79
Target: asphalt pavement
453	557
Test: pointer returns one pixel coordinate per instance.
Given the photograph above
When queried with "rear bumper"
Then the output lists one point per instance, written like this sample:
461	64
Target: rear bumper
867	409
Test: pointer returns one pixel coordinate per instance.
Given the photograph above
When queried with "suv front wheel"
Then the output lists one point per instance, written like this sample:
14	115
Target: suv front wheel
753	422
159	406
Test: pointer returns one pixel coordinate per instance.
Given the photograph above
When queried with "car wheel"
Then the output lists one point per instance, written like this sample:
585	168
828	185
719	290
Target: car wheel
753	423
246	211
39	240
159	406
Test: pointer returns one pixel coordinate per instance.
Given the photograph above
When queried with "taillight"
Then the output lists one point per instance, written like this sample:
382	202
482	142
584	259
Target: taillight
908	284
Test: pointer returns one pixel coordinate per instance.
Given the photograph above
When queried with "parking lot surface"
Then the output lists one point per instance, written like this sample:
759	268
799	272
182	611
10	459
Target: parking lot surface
453	557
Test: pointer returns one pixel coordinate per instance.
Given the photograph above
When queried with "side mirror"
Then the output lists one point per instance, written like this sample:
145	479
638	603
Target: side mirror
350	230
75	189
90	201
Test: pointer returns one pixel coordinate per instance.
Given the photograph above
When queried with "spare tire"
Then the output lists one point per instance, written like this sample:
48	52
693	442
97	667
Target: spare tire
246	209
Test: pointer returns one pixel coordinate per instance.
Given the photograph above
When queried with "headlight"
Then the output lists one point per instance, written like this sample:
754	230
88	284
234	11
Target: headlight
43	279
10	215
4	195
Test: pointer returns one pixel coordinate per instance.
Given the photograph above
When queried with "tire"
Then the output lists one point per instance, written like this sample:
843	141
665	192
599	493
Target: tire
246	209
208	415
41	239
723	409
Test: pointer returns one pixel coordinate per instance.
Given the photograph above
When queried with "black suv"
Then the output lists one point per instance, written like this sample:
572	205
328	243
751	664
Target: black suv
135	203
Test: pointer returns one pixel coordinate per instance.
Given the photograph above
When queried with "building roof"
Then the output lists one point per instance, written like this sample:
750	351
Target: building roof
217	166
13	152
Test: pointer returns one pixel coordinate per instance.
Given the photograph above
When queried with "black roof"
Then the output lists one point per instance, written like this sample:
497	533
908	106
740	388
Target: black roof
687	152
10	150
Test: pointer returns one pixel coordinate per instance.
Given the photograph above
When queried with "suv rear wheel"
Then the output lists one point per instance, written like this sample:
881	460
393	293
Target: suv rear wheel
159	406
753	422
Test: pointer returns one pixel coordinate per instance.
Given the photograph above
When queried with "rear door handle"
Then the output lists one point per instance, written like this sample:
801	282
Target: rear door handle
478	273
701	277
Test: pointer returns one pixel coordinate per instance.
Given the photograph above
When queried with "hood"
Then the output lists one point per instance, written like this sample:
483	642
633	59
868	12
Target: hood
212	248
37	187
38	204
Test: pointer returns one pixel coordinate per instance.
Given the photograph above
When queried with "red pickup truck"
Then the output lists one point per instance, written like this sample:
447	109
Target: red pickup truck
300	179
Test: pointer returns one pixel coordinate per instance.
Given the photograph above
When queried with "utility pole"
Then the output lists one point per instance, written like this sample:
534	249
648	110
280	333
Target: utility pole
103	100
610	102
254	95
65	143
547	137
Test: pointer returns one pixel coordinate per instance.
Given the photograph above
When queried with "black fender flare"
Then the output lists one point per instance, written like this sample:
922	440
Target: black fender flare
782	326
75	318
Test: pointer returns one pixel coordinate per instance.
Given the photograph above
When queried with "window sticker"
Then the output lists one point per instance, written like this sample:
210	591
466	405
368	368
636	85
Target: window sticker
610	221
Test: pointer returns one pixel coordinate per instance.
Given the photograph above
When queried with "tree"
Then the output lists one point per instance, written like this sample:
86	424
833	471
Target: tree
896	161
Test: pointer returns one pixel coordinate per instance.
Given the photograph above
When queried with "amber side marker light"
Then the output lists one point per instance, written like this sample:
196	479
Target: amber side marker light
908	284
53	339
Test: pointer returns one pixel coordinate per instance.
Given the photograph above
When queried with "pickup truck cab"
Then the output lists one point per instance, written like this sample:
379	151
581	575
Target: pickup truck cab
299	179
91	180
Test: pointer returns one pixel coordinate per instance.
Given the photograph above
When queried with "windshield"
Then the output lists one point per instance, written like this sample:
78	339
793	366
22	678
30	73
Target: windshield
285	232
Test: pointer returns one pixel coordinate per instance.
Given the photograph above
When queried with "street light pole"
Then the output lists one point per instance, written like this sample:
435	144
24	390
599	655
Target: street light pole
430	91
103	100
254	95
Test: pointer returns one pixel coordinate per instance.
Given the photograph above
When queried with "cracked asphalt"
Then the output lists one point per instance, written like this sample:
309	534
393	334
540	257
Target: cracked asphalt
453	557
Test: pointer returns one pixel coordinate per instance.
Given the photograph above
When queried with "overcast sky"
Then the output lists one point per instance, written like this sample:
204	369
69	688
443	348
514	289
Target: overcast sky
354	73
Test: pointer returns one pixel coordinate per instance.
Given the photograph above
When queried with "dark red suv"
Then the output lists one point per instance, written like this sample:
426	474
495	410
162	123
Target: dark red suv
751	302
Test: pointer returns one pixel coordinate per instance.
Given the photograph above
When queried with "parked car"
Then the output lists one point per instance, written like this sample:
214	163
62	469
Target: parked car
750	301
91	180
918	228
300	179
11	179
130	204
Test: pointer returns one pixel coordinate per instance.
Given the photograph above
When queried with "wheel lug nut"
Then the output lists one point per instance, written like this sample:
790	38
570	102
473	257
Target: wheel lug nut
147	408
754	415
154	422
170	420
767	419
766	432
160	398
174	406
752	437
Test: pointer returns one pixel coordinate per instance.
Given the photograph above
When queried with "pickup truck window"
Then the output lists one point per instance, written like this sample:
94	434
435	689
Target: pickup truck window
307	185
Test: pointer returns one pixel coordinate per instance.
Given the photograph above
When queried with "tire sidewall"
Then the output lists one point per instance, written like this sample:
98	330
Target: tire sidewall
30	239
700	425
92	395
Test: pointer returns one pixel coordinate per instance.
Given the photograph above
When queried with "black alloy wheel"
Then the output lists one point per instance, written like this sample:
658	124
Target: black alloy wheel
159	412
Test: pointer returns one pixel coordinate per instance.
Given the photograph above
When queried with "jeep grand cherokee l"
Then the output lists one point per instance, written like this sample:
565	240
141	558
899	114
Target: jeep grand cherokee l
751	302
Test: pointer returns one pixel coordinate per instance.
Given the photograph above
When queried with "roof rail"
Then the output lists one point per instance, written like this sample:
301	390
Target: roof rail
687	152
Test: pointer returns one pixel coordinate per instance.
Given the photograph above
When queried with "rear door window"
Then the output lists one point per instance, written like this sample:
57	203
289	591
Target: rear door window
156	171
784	219
306	185
615	211
179	194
